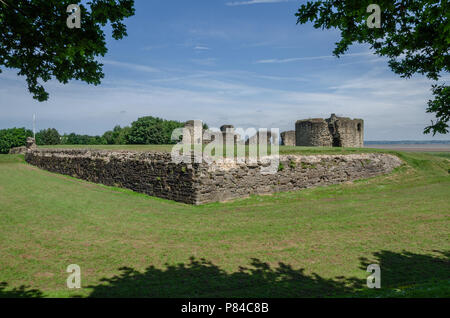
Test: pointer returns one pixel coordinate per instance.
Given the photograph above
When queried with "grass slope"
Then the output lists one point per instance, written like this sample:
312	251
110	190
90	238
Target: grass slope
309	243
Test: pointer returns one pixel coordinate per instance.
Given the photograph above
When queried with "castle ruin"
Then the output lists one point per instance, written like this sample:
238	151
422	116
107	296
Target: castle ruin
288	138
260	137
314	132
332	132
193	132
229	135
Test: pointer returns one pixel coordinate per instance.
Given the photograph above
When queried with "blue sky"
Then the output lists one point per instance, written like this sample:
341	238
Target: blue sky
236	62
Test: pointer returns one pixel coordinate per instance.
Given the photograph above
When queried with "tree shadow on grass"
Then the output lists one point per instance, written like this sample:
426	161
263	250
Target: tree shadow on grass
409	269
201	278
19	292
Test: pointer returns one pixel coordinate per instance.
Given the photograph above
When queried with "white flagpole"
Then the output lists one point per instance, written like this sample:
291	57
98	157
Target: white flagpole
34	126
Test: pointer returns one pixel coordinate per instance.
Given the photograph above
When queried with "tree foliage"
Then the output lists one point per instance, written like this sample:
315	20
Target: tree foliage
13	137
440	106
75	139
145	130
152	130
117	136
48	136
35	39
414	35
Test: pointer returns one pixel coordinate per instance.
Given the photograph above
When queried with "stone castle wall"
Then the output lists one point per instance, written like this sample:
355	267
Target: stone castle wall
155	174
193	132
30	144
260	137
220	182
288	138
18	150
332	132
313	133
350	131
151	173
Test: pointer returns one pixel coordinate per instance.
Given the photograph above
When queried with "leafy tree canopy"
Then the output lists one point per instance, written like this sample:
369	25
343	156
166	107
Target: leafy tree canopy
152	130
48	136
414	35
13	137
75	139
35	39
117	136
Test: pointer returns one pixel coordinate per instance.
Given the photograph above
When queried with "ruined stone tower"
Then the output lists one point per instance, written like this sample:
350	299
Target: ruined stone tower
229	135
332	132
193	132
288	138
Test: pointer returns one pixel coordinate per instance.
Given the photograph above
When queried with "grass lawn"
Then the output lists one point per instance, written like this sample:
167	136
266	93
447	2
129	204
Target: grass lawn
309	243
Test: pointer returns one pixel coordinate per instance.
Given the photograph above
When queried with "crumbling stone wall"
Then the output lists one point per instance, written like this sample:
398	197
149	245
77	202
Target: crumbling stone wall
18	150
152	173
222	182
257	138
193	132
288	138
30	144
346	132
229	135
155	174
313	133
332	132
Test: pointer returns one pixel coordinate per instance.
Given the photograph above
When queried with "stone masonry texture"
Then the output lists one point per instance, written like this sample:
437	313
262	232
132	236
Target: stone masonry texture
155	174
288	138
332	132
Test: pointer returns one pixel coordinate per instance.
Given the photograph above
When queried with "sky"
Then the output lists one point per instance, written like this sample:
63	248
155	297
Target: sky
245	63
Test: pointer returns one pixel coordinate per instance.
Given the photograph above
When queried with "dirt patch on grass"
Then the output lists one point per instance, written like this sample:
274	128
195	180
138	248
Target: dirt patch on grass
29	167
44	275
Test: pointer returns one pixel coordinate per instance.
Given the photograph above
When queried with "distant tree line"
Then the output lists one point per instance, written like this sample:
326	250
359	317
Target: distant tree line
13	137
145	130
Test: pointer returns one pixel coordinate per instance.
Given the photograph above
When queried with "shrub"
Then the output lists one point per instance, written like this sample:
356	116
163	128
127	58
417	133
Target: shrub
152	130
48	137
122	138
74	139
117	136
13	137
108	136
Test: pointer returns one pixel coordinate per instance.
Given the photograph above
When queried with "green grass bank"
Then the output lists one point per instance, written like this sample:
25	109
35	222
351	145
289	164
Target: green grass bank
309	243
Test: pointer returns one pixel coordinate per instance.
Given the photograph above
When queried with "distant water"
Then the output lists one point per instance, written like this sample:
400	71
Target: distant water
412	147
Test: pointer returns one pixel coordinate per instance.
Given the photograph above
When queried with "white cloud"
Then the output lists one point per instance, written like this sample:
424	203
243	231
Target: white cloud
210	61
392	108
131	66
309	58
241	3
154	47
201	48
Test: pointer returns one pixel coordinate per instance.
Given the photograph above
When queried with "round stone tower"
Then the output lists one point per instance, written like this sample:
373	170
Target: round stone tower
332	132
313	133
